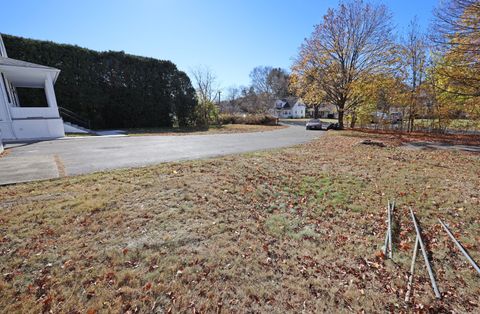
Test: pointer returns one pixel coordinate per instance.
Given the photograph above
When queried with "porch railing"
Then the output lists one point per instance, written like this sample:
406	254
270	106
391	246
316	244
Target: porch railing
72	117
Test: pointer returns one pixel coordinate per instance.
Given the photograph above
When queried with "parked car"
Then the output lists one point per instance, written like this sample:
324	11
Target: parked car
314	124
317	124
333	126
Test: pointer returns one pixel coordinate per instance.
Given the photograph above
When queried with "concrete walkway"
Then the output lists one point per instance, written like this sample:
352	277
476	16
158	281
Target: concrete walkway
57	158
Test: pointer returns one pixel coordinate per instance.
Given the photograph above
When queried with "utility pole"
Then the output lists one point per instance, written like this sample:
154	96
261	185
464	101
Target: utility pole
219	93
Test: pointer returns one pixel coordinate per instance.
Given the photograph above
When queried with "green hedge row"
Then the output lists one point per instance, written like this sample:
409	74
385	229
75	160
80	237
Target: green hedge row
113	89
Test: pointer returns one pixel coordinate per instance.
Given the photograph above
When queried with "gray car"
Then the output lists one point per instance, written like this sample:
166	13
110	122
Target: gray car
314	124
317	124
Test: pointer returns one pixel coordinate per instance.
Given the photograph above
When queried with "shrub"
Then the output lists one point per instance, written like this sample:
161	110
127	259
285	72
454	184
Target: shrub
247	119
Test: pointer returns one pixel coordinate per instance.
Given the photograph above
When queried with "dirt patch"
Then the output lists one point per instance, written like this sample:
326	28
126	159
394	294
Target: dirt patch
297	229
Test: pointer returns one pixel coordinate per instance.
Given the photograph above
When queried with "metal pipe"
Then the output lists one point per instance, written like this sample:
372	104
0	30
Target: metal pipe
412	269
390	210
460	247
385	249
386	244
425	257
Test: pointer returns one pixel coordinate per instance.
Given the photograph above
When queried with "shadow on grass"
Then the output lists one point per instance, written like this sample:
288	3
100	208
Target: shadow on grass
171	130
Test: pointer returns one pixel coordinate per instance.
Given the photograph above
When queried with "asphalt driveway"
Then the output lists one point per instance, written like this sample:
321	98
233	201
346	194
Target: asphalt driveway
52	159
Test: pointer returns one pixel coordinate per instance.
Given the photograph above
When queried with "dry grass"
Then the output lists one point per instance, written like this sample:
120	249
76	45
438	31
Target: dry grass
298	229
406	137
214	129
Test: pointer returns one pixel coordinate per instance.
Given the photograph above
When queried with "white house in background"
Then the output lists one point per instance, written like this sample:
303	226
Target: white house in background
328	111
18	122
325	111
290	107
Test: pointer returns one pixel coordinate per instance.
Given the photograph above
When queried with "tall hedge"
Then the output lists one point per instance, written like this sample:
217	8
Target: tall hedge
112	89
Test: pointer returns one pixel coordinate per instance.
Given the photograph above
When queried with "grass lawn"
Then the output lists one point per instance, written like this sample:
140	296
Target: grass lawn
292	230
213	129
78	134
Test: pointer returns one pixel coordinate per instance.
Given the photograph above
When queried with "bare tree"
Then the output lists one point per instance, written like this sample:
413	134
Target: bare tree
353	41
278	80
413	56
268	84
259	79
231	103
207	88
205	83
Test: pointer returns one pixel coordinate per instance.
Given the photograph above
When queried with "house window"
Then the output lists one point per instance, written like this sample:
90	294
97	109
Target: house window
32	97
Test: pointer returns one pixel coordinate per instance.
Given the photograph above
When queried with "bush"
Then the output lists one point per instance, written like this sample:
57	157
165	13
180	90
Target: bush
247	119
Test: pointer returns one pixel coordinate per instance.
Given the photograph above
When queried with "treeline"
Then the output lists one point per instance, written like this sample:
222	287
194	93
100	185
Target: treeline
267	85
354	60
113	89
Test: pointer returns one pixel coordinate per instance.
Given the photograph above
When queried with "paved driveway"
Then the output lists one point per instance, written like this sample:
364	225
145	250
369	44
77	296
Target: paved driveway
52	159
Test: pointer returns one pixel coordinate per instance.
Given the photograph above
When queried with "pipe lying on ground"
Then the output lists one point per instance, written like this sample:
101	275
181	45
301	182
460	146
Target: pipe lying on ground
412	269
425	257
388	235
390	211
460	247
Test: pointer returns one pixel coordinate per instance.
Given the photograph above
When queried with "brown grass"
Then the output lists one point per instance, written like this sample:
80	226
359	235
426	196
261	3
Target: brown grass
298	229
406	137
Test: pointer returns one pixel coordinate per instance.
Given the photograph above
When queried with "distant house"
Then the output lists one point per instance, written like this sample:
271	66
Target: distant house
393	115
290	107
328	111
325	111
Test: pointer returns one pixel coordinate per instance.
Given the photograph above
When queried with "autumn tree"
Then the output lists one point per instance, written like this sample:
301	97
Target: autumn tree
353	41
456	38
380	92
304	85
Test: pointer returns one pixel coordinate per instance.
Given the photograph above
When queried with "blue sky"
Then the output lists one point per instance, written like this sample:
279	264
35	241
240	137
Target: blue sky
229	36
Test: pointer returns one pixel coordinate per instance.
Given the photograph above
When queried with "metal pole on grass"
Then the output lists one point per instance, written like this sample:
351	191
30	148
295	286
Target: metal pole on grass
390	211
412	270
425	257
387	234
460	247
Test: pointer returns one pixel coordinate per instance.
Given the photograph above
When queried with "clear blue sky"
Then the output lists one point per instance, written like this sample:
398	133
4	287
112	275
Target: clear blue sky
229	36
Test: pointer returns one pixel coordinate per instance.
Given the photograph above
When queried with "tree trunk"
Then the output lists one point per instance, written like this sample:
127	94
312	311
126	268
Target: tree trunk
340	119
315	111
354	120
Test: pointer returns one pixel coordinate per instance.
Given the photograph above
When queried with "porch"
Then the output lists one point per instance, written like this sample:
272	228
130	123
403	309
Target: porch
20	120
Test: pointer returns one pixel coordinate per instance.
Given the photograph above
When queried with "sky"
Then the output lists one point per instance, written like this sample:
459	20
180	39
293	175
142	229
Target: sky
230	37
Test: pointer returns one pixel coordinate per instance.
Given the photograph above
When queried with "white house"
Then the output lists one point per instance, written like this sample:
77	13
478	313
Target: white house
17	121
289	108
325	111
